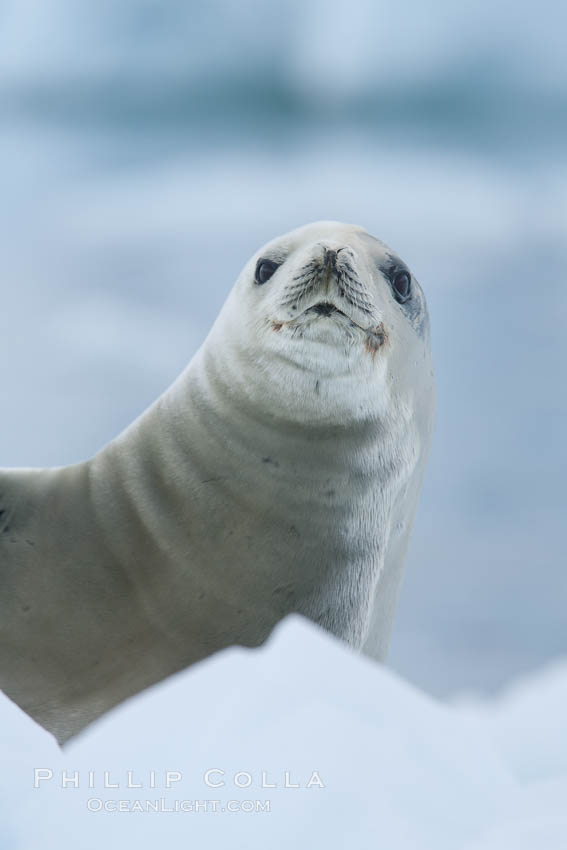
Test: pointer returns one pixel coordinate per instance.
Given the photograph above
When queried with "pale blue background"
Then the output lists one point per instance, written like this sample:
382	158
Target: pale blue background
147	148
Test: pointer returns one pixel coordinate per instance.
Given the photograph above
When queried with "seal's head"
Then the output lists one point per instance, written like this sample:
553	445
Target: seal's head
329	311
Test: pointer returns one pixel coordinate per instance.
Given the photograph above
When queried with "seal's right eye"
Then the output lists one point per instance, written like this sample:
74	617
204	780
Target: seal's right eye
264	271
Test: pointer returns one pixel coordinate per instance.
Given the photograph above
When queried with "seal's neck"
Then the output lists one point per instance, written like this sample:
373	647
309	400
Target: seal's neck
253	501
226	417
254	414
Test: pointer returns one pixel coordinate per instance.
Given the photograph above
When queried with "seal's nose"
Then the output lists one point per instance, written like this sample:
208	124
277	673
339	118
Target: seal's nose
330	258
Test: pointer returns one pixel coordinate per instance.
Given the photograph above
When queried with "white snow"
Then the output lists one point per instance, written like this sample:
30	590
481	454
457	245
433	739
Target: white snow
378	764
528	723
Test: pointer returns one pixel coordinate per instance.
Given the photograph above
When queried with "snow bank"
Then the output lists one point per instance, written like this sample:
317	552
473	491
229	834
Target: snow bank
300	743
527	723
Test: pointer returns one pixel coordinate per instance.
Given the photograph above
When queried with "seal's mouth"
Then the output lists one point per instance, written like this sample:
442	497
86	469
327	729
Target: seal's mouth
323	310
326	308
329	310
374	337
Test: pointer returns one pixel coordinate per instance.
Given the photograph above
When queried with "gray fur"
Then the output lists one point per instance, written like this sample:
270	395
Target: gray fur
279	473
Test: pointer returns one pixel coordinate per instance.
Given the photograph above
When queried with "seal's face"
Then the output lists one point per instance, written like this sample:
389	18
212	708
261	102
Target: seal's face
325	299
325	306
335	285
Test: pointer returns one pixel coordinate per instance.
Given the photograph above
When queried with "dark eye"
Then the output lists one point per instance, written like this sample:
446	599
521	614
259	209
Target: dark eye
264	271
401	284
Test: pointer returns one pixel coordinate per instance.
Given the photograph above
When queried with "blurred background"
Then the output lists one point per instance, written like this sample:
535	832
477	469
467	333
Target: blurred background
148	147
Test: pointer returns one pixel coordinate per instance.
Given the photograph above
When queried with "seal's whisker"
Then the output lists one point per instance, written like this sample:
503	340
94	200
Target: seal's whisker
353	279
307	283
355	298
307	270
350	287
299	287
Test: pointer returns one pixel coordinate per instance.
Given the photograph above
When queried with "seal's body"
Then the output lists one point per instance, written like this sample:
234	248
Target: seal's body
279	473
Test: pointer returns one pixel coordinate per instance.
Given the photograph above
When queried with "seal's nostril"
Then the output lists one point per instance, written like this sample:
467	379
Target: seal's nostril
330	258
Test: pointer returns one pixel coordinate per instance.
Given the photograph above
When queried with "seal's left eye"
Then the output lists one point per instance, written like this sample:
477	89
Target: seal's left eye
401	284
264	271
